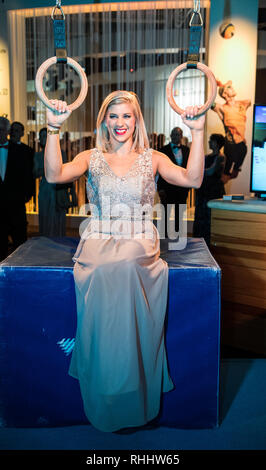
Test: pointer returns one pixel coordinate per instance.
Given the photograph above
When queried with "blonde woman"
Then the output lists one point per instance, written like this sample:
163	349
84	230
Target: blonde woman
121	281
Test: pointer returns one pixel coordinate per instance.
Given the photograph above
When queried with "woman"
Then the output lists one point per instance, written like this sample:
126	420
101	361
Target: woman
121	282
233	116
212	187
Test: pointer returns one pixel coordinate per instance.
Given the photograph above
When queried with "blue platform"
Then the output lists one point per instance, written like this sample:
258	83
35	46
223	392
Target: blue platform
38	322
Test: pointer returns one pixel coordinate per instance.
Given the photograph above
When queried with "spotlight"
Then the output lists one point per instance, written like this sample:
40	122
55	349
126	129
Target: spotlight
227	30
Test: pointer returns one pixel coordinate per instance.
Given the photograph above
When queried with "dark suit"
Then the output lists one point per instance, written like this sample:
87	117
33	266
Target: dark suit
169	193
27	152
15	191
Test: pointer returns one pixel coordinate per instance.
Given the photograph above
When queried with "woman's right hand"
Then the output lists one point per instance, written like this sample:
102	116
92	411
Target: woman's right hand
58	117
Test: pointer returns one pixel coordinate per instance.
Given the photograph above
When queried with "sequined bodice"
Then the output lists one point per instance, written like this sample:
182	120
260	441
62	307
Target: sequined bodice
124	197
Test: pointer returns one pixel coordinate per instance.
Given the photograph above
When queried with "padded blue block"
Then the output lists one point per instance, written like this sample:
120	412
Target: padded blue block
193	338
38	323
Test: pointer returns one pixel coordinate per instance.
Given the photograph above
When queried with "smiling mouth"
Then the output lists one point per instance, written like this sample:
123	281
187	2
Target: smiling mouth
120	131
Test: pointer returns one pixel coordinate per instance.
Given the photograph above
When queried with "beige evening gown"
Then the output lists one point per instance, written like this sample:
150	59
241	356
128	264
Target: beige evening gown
121	291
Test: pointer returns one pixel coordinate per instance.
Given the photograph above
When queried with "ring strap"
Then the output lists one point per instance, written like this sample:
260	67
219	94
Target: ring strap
60	40
194	46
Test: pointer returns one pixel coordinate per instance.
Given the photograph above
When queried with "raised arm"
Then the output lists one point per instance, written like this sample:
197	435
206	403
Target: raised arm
191	176
246	103
55	170
218	108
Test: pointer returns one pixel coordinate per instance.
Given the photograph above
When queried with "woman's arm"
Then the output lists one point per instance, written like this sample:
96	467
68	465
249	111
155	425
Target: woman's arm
58	172
55	170
246	103
218	108
192	175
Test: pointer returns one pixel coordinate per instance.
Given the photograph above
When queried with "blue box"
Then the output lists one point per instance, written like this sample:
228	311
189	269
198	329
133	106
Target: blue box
38	324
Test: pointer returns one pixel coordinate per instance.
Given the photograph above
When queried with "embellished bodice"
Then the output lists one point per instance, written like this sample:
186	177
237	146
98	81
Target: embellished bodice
127	197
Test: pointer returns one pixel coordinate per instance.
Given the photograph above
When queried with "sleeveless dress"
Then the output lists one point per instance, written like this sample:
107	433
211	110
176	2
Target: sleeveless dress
121	288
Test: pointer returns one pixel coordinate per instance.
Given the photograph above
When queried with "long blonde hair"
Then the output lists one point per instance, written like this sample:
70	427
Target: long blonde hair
140	138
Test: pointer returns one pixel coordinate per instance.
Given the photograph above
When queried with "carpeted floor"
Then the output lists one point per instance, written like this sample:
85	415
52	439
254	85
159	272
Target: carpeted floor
242	422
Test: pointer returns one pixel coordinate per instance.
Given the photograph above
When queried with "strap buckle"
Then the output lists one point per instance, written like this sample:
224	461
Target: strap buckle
196	12
58	7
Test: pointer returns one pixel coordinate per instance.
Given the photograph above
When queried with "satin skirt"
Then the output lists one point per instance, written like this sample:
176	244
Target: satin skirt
119	356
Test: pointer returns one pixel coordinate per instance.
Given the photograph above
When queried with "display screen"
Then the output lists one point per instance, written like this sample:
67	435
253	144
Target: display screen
258	155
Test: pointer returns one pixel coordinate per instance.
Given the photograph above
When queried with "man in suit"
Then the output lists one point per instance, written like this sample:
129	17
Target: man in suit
169	193
16	134
15	181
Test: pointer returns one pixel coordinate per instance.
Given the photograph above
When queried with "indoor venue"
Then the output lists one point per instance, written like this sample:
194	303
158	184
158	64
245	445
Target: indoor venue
133	226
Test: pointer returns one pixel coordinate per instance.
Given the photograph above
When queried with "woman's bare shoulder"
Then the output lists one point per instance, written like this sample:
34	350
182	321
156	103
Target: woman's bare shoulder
157	159
85	155
157	156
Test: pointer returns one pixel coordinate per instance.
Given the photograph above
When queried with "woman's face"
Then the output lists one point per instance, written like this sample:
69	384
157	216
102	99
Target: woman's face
120	122
229	91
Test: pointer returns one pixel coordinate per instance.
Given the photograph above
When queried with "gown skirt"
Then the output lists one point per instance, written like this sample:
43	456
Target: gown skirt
119	355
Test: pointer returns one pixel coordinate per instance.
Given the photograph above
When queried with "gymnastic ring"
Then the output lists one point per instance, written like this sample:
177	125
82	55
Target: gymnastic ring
169	87
39	79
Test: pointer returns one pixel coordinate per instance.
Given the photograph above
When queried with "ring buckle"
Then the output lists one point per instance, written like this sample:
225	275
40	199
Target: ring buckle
200	18
58	7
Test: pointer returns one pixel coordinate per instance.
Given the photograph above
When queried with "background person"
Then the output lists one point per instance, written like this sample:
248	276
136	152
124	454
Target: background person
16	134
15	184
233	116
212	188
54	199
170	193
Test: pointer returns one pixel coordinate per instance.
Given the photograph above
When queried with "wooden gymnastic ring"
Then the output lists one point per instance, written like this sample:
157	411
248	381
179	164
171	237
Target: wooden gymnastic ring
170	83
39	79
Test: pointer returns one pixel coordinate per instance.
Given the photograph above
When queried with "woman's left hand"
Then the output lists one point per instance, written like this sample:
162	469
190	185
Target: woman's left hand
194	124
